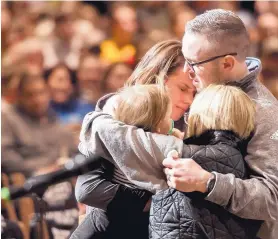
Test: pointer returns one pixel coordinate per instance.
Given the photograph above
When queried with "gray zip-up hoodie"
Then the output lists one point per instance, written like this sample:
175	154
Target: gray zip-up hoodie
255	198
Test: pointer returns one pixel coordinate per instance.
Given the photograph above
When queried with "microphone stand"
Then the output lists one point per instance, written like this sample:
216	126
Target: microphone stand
38	219
37	185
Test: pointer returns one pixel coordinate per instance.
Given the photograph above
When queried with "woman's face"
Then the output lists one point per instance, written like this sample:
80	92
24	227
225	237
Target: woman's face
181	92
60	85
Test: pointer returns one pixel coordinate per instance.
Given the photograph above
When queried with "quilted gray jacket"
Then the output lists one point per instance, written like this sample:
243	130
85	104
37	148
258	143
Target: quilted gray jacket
180	215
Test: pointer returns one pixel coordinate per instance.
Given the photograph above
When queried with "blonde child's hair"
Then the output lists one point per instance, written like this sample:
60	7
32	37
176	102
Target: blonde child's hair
144	106
221	107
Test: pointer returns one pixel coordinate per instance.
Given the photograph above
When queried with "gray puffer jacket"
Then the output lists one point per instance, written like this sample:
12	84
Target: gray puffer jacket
179	215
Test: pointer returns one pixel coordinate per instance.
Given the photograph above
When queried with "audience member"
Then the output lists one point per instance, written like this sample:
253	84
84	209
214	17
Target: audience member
180	19
27	55
115	77
64	46
153	15
124	25
89	77
32	139
69	109
269	76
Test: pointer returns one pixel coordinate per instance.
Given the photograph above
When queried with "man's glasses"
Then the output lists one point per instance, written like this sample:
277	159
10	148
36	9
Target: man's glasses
191	65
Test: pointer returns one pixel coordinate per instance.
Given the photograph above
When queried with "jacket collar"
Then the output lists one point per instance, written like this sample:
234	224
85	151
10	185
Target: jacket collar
211	137
254	66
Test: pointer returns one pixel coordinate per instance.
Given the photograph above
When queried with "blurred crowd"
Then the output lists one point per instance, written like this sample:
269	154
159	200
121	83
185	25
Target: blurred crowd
59	58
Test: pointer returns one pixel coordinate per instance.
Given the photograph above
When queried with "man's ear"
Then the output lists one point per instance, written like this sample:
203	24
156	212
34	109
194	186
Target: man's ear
228	63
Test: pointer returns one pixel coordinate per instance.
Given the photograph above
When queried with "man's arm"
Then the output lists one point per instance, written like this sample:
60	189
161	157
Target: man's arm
255	198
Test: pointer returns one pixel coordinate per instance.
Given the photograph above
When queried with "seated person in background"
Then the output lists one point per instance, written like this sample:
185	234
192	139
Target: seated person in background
115	77
124	26
220	121
32	139
89	78
70	110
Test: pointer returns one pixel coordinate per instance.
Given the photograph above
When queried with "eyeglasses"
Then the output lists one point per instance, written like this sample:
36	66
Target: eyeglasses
191	65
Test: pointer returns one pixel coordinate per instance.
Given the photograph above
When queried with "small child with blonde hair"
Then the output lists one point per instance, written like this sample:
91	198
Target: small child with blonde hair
221	107
143	106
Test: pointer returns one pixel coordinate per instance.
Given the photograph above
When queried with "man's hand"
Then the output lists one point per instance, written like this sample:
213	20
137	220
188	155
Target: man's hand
186	175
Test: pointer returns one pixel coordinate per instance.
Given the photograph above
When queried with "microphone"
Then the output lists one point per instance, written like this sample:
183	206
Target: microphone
38	184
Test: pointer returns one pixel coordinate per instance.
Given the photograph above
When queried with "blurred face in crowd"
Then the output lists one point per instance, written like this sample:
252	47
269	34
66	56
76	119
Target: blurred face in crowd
5	19
126	19
263	7
268	25
64	27
34	62
20	29
270	60
89	73
180	20
125	24
153	4
34	98
117	77
60	85
181	92
19	8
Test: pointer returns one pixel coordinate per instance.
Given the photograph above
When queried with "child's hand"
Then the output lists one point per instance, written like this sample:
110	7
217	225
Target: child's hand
177	133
